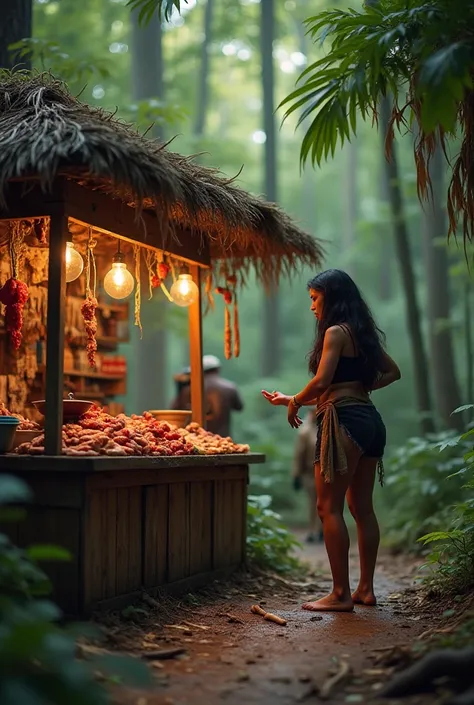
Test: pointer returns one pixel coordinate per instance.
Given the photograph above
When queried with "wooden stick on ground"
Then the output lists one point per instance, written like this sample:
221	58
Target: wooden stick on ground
256	609
165	654
196	626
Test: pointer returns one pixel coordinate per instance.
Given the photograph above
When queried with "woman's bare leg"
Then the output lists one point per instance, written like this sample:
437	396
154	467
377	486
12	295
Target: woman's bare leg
336	537
359	497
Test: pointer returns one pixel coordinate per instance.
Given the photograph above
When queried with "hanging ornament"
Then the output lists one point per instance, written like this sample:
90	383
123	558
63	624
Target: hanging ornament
74	263
210	305
232	282
119	282
227	296
90	304
138	301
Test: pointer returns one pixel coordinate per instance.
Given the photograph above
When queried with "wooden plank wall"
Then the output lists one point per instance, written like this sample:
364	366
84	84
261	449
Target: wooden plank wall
153	535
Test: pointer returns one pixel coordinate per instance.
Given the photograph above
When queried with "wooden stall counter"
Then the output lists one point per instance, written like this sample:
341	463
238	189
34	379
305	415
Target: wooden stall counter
153	523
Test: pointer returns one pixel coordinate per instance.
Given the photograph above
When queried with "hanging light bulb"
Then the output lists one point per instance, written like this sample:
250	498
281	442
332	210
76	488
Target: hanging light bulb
118	282
74	263
184	291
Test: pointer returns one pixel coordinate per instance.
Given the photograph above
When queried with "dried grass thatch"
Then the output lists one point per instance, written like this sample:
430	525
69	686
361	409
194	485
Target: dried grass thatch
46	132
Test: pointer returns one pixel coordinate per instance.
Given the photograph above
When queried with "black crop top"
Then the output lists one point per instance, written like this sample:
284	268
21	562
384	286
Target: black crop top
347	370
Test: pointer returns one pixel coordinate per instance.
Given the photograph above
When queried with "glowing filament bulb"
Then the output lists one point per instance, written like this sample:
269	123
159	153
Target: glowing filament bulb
74	263
118	282
184	291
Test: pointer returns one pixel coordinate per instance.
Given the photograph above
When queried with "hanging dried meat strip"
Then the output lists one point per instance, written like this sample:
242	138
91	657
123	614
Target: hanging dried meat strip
88	310
14	295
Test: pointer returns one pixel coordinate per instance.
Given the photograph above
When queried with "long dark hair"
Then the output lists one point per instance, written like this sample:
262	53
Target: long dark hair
343	303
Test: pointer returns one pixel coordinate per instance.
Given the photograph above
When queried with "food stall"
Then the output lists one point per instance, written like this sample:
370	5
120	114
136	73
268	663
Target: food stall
139	503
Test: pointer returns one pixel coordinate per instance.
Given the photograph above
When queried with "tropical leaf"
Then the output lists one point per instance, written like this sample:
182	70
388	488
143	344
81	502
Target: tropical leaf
147	8
421	54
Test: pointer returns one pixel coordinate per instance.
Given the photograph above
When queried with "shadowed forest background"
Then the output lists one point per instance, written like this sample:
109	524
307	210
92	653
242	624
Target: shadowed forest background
209	79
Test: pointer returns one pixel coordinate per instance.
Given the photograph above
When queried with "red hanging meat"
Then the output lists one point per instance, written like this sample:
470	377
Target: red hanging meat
14	295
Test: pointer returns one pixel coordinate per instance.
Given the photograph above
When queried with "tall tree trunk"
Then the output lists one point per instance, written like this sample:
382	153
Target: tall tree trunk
16	24
469	342
308	186
447	396
402	245
351	201
151	358
271	328
203	85
385	243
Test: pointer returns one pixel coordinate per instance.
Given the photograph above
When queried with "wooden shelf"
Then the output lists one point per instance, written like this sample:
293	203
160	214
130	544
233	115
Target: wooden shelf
92	395
91	375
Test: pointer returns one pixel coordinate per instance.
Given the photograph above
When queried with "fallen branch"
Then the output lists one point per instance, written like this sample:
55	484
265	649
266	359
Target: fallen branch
340	677
197	626
457	664
163	655
256	609
180	627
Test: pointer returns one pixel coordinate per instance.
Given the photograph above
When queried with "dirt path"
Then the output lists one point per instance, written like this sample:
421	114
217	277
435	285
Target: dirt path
260	662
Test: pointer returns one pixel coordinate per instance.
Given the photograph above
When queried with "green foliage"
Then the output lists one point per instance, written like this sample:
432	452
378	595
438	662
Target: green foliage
49	56
387	47
452	550
38	664
147	8
422	484
269	543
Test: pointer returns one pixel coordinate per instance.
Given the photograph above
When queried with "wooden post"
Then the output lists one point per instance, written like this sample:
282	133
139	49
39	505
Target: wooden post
195	353
58	236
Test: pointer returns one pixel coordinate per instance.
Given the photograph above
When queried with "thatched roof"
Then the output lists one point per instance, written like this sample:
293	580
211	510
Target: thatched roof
45	132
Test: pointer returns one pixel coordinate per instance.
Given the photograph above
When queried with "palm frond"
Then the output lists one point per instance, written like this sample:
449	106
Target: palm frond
419	52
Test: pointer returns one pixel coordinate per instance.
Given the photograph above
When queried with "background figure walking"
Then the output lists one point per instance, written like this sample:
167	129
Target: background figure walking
222	396
303	472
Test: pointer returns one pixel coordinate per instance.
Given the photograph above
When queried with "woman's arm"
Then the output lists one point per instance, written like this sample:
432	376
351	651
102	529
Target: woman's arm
334	341
390	375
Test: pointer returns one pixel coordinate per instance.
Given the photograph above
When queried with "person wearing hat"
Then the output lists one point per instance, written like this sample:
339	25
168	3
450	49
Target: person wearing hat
222	396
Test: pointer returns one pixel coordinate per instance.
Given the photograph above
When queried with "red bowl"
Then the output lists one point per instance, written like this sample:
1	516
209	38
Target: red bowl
72	408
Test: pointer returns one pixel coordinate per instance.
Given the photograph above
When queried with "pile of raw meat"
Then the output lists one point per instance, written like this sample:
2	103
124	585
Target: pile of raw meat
98	433
24	425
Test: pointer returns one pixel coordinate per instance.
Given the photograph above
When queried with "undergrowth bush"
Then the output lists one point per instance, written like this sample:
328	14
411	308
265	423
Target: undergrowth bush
422	485
430	506
38	664
270	545
451	555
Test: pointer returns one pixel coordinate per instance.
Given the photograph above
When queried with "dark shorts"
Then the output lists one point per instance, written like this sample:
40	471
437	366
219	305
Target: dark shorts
364	426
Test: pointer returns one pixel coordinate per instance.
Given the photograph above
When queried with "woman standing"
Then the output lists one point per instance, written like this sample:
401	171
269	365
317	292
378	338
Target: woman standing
348	362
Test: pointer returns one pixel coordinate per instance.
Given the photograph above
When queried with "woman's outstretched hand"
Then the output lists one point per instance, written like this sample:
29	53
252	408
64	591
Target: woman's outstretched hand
293	418
276	398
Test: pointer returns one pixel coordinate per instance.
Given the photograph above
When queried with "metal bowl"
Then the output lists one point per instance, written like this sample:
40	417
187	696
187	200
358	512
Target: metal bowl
175	417
72	408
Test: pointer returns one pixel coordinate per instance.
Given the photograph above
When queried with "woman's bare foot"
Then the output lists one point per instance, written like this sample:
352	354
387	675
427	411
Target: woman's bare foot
330	603
364	597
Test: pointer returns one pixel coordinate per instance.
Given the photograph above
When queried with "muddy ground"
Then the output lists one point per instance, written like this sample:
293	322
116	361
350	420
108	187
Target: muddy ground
233	657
